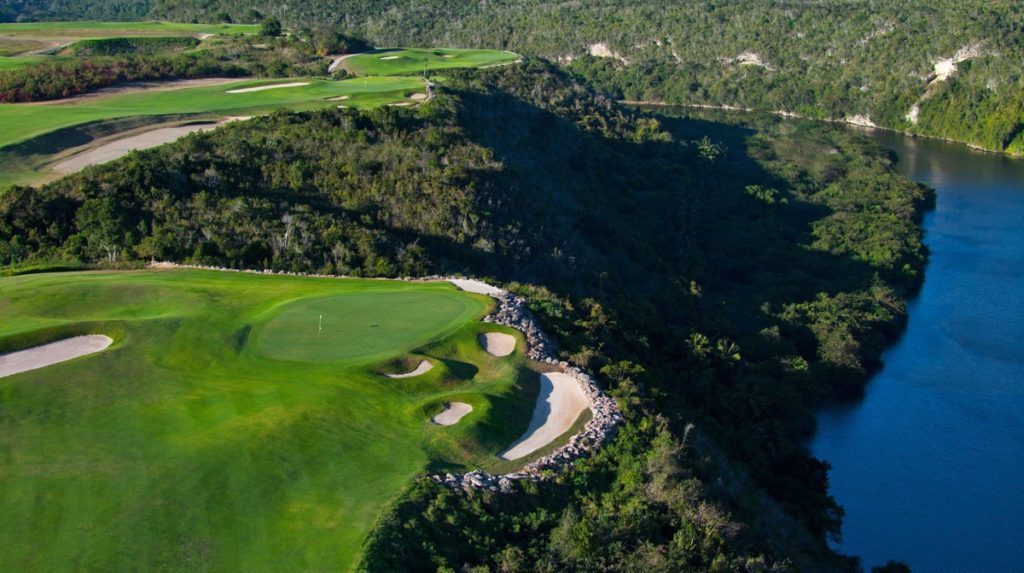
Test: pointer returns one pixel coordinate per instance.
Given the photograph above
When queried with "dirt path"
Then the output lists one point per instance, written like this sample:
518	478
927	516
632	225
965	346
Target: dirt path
337	60
560	403
52	353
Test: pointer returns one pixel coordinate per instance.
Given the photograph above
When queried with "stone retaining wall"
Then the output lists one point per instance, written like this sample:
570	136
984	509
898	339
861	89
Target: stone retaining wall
513	312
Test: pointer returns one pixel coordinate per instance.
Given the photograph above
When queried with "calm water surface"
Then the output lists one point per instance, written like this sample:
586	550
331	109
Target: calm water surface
929	465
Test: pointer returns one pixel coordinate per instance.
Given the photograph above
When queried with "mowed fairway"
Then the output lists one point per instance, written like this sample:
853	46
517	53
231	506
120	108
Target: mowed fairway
189	446
405	61
22	121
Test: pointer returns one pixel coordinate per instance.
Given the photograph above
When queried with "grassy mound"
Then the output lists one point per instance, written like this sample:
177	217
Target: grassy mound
190	445
406	61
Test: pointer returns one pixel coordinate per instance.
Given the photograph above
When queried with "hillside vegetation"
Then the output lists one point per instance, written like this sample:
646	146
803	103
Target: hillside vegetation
721	280
837	59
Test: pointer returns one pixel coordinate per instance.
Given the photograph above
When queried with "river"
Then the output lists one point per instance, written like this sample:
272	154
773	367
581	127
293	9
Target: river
929	464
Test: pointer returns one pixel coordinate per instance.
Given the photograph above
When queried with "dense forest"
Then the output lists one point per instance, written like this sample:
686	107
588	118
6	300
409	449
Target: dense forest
721	279
837	59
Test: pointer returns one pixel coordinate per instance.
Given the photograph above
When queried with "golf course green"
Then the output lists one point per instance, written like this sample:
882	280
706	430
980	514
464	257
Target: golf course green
238	422
406	61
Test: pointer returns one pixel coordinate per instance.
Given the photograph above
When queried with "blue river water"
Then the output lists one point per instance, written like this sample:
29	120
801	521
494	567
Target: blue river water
929	464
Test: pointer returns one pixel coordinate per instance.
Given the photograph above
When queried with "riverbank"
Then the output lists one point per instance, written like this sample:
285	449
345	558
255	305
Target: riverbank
943	416
856	120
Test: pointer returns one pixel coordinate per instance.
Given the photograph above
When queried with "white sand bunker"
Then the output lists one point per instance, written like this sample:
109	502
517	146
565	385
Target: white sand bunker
424	367
389	57
479	287
270	87
52	353
452	413
339	98
497	343
560	403
418	96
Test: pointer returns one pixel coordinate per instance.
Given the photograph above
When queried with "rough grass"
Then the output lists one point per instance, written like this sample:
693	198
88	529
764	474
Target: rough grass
187	446
408	61
94	29
15	46
23	121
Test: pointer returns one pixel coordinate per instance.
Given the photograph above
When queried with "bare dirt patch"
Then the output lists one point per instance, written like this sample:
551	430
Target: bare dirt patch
560	403
452	413
52	353
124	144
497	343
270	87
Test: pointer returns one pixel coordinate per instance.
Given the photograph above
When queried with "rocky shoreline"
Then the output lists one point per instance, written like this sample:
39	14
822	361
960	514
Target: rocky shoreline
512	312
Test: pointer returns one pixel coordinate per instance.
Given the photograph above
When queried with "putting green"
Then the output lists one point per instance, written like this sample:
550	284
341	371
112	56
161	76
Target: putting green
361	326
405	61
183	447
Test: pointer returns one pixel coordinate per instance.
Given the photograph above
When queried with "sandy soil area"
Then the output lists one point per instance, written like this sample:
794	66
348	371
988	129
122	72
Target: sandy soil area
424	367
497	343
452	413
478	287
270	87
52	353
560	403
121	147
118	146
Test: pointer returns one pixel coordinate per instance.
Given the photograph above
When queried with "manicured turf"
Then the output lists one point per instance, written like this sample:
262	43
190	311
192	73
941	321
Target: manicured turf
406	61
342	327
19	122
113	29
187	447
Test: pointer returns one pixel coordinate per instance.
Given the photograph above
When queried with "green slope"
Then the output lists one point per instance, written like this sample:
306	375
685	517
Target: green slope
19	122
187	446
405	61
